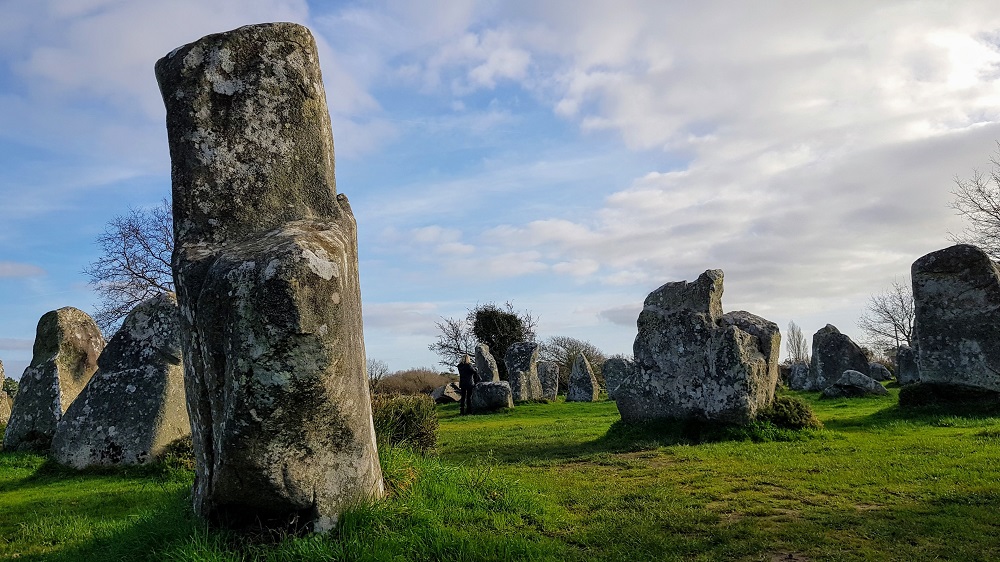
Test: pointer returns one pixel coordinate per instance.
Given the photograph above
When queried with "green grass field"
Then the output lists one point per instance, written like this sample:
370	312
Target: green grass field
568	482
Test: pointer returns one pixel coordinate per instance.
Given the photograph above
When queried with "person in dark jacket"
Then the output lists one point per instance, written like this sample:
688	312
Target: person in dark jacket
466	380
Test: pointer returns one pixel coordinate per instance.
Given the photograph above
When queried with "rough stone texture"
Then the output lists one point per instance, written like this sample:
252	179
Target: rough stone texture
67	344
956	296
5	401
583	385
447	393
879	372
266	270
693	362
491	396
854	384
133	406
548	376
907	371
615	371
486	365
832	354
521	360
798	376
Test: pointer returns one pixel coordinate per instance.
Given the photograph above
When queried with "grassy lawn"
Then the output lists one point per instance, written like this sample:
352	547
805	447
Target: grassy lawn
568	482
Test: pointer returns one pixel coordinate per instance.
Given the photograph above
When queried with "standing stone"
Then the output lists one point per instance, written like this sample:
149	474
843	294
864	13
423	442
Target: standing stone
956	296
615	371
5	401
832	354
133	406
798	376
693	362
446	394
853	384
879	372
548	375
67	344
906	366
486	366
583	385
266	270
491	396
521	361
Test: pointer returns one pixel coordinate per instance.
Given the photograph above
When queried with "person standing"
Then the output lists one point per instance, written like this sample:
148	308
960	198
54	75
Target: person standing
466	380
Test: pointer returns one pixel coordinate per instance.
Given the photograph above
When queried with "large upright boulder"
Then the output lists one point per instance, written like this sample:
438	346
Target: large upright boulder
133	406
67	345
583	385
5	401
853	384
266	271
907	371
486	366
491	396
798	376
615	371
548	376
694	362
956	297
521	361
832	354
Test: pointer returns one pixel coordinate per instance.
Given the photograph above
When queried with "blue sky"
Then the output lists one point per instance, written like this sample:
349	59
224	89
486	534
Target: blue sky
568	156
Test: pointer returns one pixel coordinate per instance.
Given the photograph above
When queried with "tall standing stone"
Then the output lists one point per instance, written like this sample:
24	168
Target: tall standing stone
5	401
832	354
64	358
583	385
521	361
615	371
486	365
694	362
956	297
548	376
133	406
266	270
907	371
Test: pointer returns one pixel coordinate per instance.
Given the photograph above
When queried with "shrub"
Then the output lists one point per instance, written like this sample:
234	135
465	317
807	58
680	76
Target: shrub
406	420
789	412
413	381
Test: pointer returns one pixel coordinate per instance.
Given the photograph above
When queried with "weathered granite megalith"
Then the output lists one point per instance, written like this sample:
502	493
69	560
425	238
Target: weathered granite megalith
615	371
521	361
266	270
832	354
548	376
446	394
5	401
879	372
854	384
133	406
583	385
486	366
956	297
907	371
798	376
694	362
67	344
491	396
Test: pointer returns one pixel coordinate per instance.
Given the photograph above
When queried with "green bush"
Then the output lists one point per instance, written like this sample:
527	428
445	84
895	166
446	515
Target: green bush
789	412
406	420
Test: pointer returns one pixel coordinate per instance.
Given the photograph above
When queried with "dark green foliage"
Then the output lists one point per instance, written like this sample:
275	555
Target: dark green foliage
790	412
179	454
500	328
406	420
956	396
10	386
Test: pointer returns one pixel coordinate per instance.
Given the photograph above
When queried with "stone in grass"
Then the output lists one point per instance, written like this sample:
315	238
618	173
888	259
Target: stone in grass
832	354
486	366
854	384
447	393
879	372
616	370
266	270
521	360
491	396
133	407
548	375
798	376
67	345
583	385
906	366
5	401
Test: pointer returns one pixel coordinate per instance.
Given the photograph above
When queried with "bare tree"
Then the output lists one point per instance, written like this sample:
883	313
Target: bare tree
888	320
978	200
563	351
377	370
496	326
796	344
455	339
134	263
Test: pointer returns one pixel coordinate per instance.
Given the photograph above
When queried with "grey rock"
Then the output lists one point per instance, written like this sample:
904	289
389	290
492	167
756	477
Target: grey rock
491	396
694	363
798	376
548	375
67	345
907	371
615	371
583	385
832	354
266	270
956	295
521	361
486	365
879	372
447	393
5	401
854	384
133	406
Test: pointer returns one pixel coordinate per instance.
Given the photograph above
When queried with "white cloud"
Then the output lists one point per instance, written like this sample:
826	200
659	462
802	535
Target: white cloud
15	269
